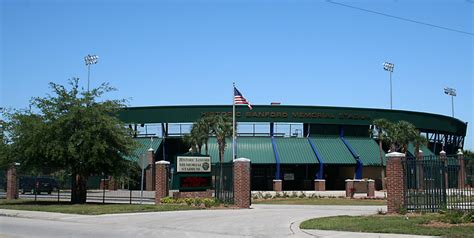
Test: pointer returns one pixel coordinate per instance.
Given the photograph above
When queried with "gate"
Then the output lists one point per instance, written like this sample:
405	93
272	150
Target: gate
433	184
223	174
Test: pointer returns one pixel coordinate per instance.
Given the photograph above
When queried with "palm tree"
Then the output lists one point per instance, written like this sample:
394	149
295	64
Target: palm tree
383	126
221	128
199	135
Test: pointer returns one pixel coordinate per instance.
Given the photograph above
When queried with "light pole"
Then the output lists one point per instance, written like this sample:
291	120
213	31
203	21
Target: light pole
389	67
90	59
451	92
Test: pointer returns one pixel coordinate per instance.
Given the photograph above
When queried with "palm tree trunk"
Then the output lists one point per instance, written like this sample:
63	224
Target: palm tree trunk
382	173
221	173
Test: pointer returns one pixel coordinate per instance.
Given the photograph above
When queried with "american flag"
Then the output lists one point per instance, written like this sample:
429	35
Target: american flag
239	99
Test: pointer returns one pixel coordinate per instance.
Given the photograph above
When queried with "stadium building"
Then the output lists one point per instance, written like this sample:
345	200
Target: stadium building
296	144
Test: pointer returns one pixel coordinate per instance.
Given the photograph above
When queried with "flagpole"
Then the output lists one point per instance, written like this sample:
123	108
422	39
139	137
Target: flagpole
233	121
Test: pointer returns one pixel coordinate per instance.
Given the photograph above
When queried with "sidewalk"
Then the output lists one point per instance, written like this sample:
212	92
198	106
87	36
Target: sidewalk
345	234
39	215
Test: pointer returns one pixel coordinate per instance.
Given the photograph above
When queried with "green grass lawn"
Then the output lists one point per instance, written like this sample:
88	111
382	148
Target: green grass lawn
89	208
320	201
428	224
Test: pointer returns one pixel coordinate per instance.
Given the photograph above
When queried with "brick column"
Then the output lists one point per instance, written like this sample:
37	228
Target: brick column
319	185
462	169
395	182
161	179
242	183
277	185
420	173
370	188
349	188
442	157
149	172
12	183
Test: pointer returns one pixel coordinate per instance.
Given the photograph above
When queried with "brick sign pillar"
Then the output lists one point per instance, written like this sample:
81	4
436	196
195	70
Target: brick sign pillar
462	169
161	180
12	183
149	172
242	183
395	181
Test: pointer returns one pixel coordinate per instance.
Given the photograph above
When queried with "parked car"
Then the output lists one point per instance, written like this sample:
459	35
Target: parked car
38	184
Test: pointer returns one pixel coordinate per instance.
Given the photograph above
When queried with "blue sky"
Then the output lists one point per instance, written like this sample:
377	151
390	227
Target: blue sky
295	52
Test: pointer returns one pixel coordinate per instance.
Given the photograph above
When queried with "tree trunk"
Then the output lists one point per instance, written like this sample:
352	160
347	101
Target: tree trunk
382	173
221	173
79	189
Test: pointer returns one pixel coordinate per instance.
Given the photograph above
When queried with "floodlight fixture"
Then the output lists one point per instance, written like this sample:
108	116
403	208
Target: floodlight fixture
90	59
451	92
389	67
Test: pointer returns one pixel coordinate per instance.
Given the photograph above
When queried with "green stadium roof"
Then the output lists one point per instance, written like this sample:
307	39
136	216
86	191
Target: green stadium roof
258	149
144	144
367	149
426	122
426	151
295	151
332	150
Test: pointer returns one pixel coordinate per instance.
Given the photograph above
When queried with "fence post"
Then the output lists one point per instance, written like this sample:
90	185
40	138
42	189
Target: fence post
149	172
420	173
242	183
395	182
442	157
161	180
462	169
12	183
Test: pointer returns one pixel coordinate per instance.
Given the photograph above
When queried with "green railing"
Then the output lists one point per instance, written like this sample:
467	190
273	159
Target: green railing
433	184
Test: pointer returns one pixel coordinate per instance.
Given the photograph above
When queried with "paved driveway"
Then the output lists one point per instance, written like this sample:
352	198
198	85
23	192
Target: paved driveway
260	221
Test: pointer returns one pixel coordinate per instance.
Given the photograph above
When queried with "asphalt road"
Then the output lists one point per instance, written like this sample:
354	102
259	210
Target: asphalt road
260	221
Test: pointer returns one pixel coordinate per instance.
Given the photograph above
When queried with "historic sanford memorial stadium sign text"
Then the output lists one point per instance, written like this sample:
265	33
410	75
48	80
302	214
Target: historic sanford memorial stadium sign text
193	164
301	115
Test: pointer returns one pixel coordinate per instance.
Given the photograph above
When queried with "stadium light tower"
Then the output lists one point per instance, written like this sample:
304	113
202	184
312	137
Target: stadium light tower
90	59
451	92
389	67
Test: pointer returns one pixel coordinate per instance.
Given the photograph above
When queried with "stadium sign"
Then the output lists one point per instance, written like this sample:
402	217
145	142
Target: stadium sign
193	164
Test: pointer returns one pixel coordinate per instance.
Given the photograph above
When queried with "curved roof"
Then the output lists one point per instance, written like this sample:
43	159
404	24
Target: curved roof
427	122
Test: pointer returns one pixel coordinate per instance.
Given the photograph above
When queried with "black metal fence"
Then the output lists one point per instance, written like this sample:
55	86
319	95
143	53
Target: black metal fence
100	189
433	184
224	182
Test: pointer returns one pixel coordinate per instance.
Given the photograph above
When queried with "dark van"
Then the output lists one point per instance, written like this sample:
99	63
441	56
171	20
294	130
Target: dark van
38	184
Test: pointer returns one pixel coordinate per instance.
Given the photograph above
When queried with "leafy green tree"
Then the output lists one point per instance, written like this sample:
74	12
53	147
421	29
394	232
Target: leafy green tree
5	156
72	130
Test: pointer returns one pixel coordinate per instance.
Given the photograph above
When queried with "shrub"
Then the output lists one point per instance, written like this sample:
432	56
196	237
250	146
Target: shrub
469	217
278	195
285	194
267	196
167	200
294	195
453	217
302	195
208	202
402	211
189	201
197	202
